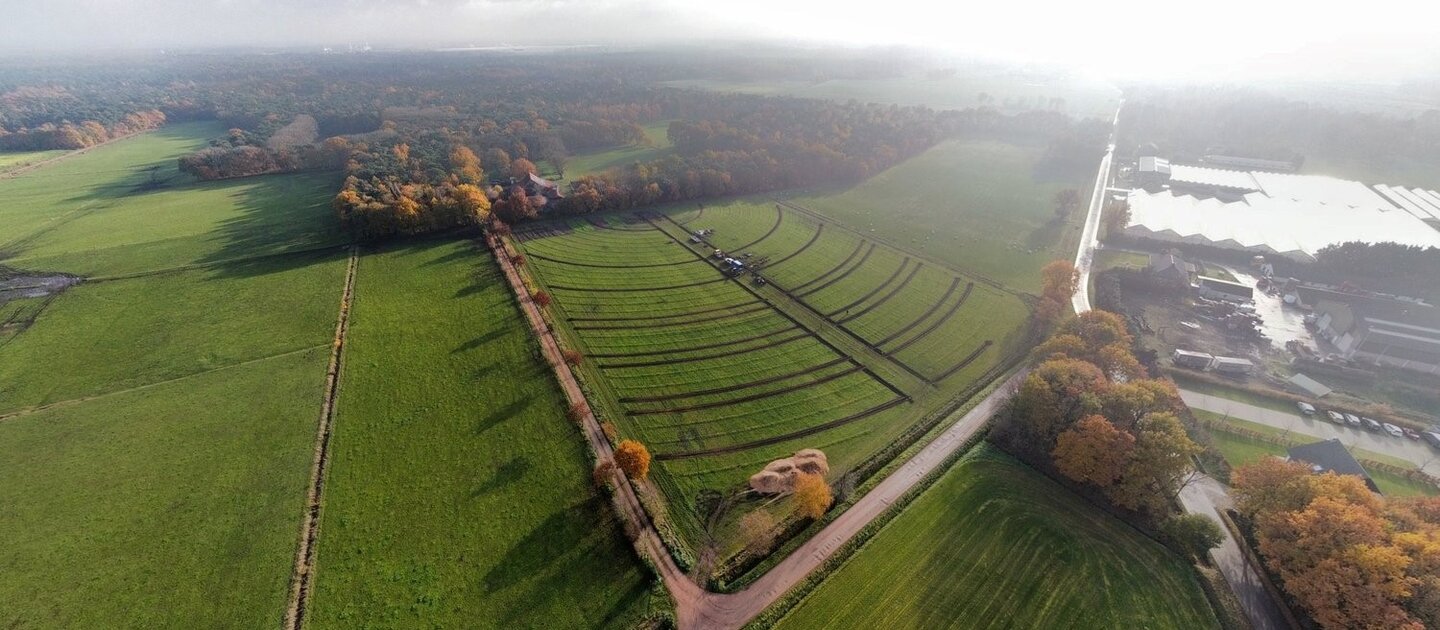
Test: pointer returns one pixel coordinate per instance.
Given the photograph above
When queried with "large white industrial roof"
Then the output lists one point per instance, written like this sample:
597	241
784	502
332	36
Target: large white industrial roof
1224	178
1283	225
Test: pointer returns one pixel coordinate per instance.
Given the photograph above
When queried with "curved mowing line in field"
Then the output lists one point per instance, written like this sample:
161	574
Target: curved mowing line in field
712	318
606	226
751	398
599	266
858	246
736	388
966	361
786	437
638	289
655	317
820	228
698	213
886	298
841	276
712	346
732	353
930	311
898	270
779	218
931	328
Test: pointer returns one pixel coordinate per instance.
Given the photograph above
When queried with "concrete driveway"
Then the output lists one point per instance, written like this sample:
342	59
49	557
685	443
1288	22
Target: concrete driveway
1206	496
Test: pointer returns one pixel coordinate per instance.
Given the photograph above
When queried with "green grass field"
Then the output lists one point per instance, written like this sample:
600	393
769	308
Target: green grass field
841	350
591	162
14	160
154	474
994	544
977	206
459	494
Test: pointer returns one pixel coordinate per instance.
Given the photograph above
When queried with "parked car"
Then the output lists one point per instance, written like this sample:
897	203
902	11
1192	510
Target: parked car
1370	425
1335	417
1352	420
1306	408
1393	430
1411	433
1432	438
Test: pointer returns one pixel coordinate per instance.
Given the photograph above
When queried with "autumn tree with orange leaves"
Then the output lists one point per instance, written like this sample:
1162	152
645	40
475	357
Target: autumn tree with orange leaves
1058	281
812	496
1350	558
633	458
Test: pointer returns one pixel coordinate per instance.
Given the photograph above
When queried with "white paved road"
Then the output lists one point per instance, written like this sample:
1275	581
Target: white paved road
1085	254
1415	452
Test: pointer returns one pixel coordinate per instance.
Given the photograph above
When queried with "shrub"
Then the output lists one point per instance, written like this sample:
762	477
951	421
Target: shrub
633	458
1196	534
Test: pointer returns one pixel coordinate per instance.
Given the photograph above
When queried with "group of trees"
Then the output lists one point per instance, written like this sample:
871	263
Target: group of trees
1391	267
69	136
1350	558
1089	413
1058	281
243	154
400	190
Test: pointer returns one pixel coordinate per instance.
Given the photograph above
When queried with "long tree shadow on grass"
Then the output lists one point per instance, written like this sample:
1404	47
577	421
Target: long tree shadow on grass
559	563
494	418
506	474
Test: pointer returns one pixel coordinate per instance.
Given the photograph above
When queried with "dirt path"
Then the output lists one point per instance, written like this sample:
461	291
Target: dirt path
300	580
43	163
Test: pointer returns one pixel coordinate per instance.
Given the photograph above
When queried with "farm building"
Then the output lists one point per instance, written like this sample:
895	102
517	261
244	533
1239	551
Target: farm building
1423	204
1276	213
1217	289
1171	269
537	186
1233	365
1331	456
1152	171
1374	329
1192	360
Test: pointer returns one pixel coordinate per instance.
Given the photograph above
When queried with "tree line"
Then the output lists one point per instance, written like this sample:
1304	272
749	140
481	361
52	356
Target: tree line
69	136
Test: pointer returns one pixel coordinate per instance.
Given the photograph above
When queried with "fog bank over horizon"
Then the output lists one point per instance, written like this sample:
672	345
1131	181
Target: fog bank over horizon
1129	39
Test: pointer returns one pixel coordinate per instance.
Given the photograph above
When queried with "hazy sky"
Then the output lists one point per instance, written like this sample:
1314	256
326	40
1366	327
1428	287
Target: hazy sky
1195	38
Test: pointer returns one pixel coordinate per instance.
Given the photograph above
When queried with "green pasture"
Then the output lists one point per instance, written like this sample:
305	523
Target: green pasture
591	162
459	494
993	544
978	206
171	506
16	159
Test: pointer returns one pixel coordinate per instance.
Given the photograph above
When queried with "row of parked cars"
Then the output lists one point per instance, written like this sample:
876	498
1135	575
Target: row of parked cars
1349	419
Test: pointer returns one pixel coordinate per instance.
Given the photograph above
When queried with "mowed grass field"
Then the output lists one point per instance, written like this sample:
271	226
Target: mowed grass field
975	205
849	343
458	494
994	544
591	162
12	160
156	430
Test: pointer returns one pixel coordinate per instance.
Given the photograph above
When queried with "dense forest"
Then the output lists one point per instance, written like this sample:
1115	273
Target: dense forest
457	140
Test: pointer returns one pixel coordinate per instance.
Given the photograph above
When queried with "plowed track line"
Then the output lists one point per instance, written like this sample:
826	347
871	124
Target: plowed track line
841	276
736	388
638	289
721	355
655	317
751	398
682	322
301	576
736	342
820	228
886	298
786	437
928	312
779	218
872	292
966	361
858	246
933	326
598	266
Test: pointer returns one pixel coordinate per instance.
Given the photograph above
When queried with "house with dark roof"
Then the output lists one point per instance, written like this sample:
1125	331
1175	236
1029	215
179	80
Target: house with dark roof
1171	269
1331	456
1377	329
541	188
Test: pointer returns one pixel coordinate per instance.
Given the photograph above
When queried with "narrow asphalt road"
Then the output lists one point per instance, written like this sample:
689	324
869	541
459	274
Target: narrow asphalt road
716	611
1089	234
1207	496
1415	452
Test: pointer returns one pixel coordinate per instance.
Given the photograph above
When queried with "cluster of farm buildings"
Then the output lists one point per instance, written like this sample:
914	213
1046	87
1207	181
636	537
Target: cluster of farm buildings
1240	204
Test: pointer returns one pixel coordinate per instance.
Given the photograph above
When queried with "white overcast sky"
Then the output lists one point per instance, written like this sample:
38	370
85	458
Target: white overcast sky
1195	38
